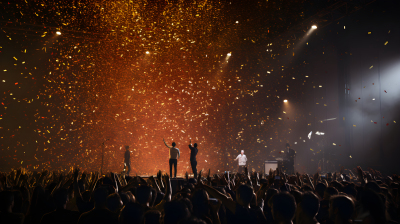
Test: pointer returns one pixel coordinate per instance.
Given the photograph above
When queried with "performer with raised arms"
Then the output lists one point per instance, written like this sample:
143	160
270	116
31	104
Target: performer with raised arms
174	155
193	161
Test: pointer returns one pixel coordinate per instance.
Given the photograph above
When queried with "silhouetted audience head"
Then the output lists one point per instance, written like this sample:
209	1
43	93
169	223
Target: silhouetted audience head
309	204
350	190
188	204
192	181
195	145
373	186
107	181
320	189
329	192
341	209
192	220
244	194
61	197
18	201
200	202
143	195
306	187
6	201
152	217
283	207
173	144
373	203
100	196
86	195
114	202
124	198
337	185
297	195
175	211
132	213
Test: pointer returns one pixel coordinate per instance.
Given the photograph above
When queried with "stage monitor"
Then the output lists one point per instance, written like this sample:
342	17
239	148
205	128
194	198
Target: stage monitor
270	164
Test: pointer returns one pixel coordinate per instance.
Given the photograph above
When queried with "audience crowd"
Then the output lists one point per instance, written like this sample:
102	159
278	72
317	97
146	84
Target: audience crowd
54	197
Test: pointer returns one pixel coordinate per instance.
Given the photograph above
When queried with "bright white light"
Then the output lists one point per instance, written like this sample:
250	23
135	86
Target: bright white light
373	98
285	101
58	32
319	133
237	21
309	135
229	54
147	52
314	27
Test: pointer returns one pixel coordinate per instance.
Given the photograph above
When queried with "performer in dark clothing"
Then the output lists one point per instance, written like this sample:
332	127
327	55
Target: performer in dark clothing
193	161
290	155
128	159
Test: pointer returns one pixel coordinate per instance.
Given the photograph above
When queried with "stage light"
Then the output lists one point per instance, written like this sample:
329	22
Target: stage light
285	101
58	33
147	52
229	54
314	27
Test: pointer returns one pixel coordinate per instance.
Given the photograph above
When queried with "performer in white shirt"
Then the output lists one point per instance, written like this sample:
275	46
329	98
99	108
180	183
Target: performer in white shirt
174	155
242	161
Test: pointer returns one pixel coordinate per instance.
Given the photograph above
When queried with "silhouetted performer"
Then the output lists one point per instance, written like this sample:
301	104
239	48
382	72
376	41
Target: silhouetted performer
127	159
290	155
174	155
193	161
242	161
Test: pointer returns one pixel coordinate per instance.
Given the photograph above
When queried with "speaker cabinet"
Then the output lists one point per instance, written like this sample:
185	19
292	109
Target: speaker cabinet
270	164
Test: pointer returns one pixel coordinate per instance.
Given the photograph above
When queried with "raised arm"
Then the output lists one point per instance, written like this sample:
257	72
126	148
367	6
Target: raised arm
229	204
167	196
166	144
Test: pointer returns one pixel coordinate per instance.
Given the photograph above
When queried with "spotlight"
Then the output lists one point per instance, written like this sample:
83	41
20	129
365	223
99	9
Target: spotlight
58	33
285	101
147	52
229	54
314	27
